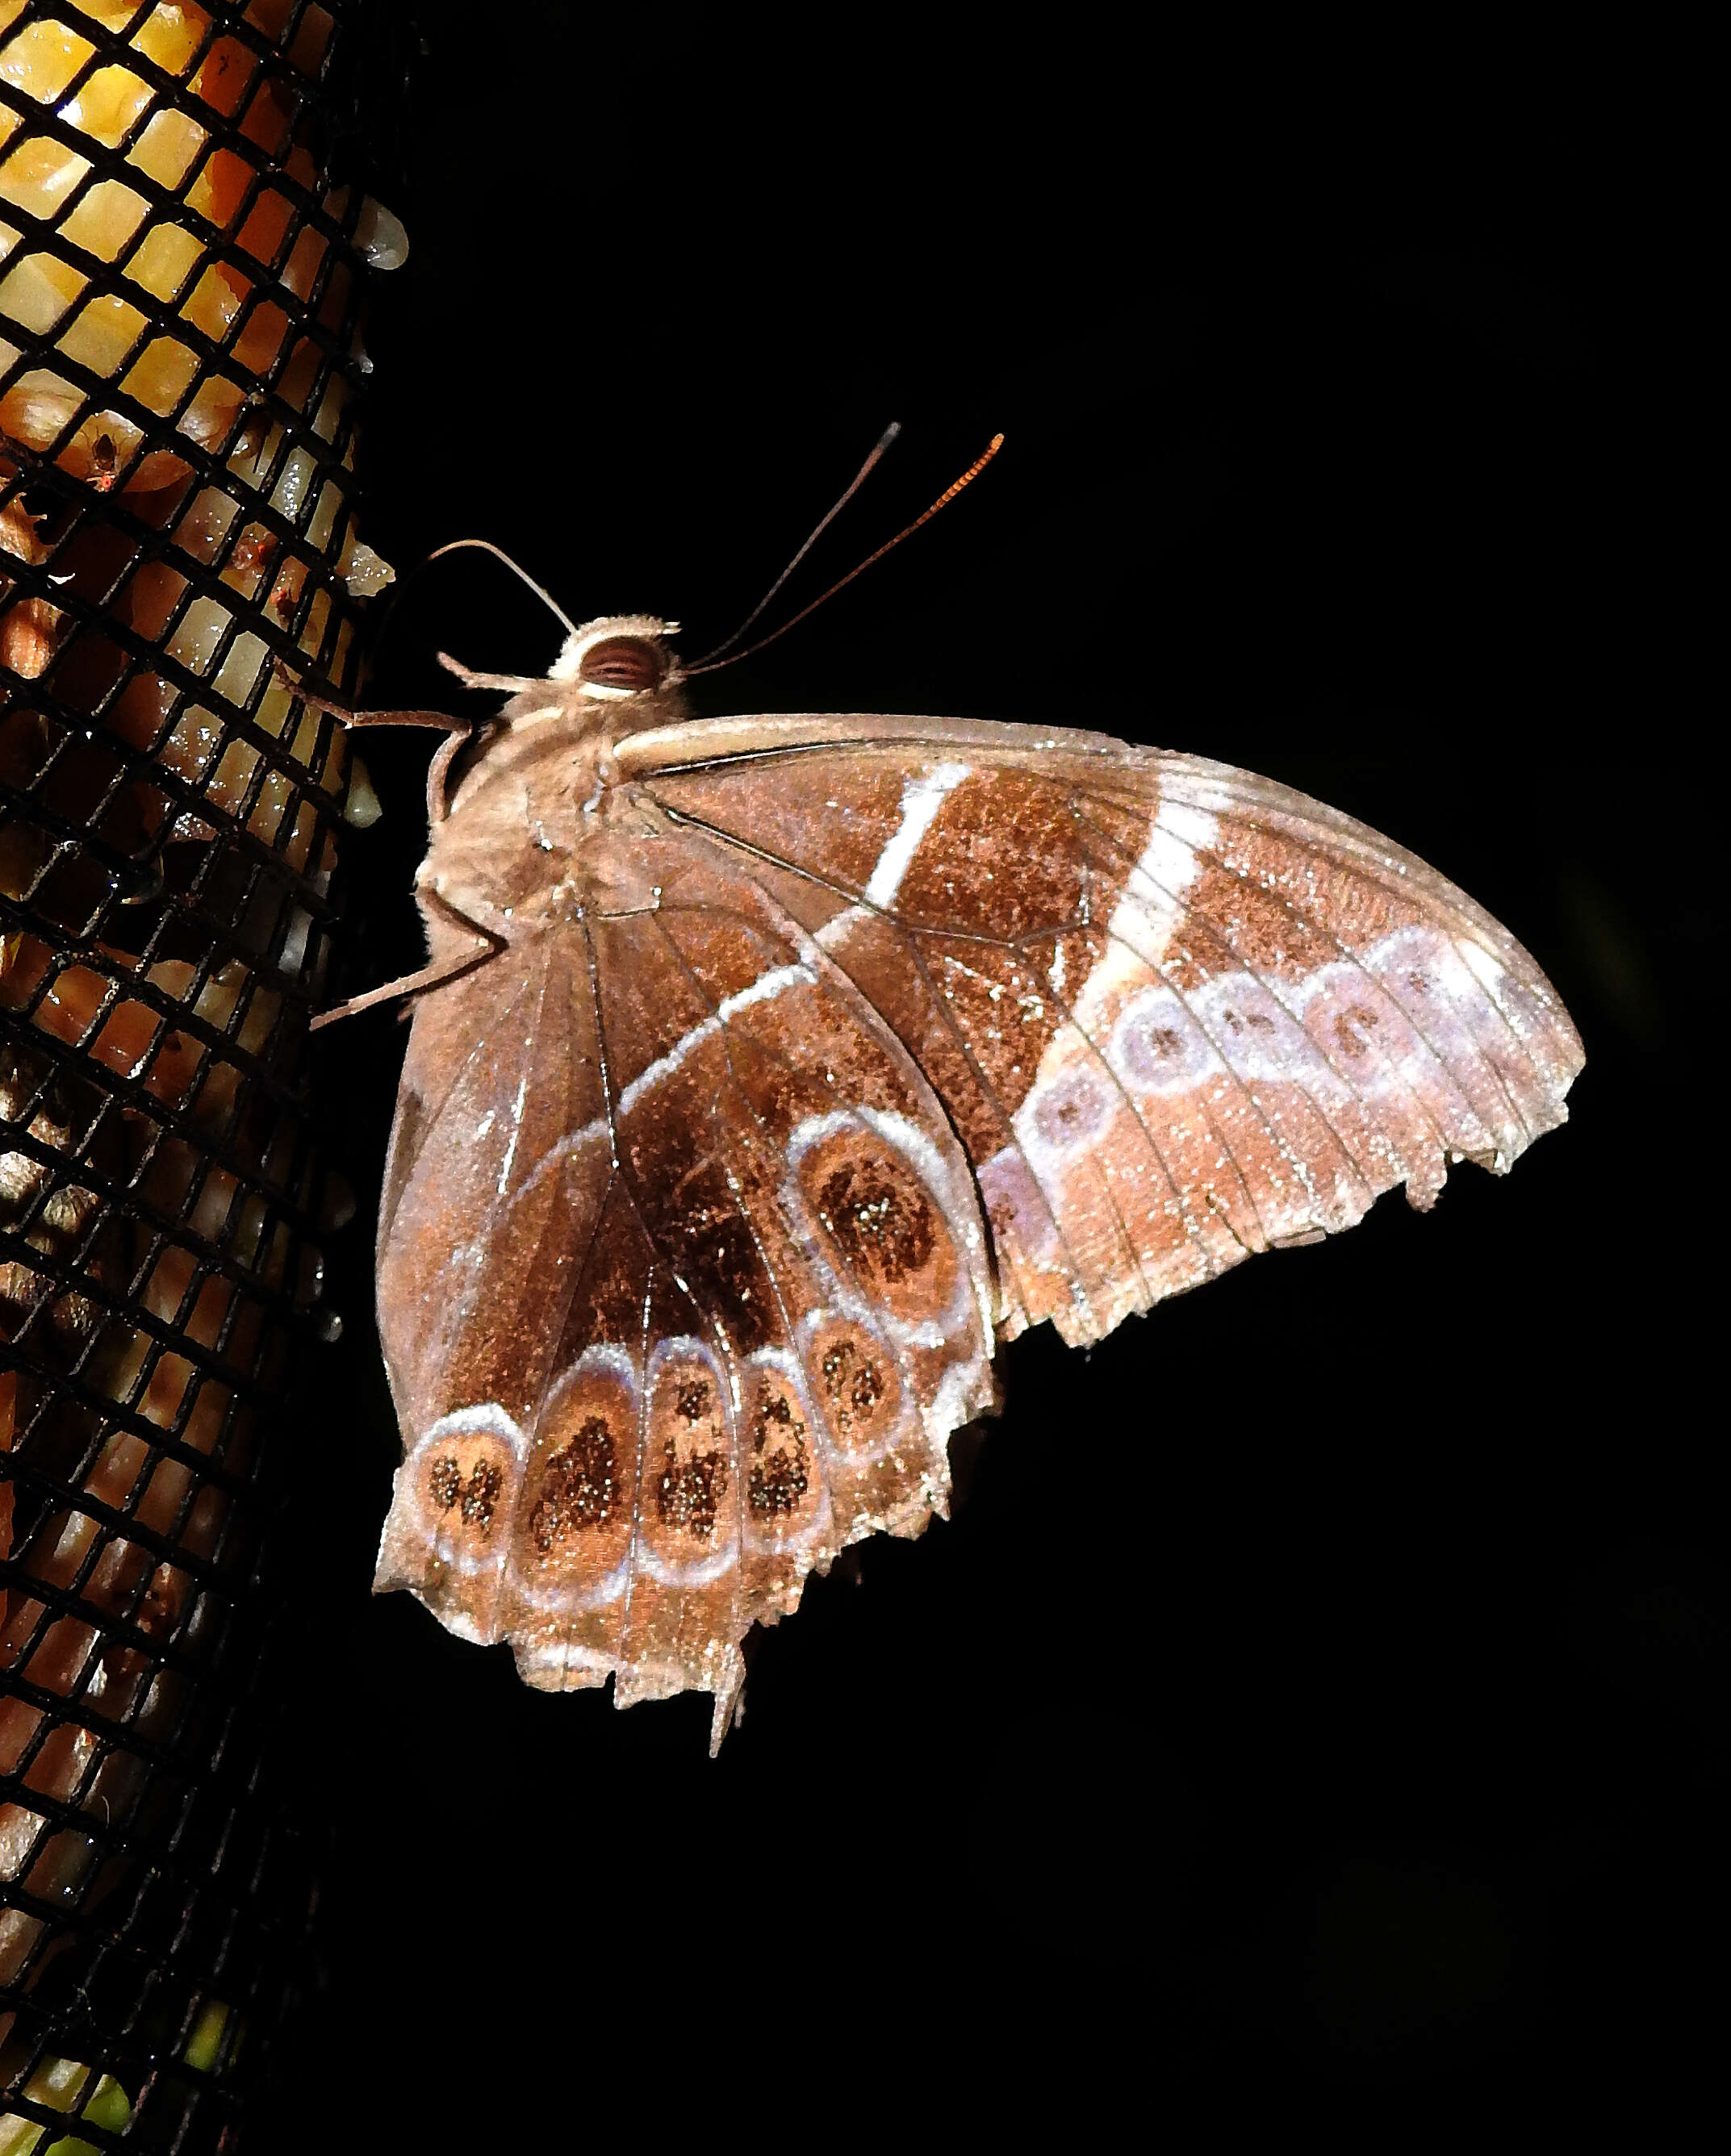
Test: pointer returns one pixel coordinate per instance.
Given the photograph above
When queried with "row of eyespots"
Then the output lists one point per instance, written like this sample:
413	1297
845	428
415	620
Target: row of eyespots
1341	1027
580	1470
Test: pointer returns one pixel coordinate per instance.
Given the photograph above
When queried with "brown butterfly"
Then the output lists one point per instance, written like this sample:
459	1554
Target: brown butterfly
781	1067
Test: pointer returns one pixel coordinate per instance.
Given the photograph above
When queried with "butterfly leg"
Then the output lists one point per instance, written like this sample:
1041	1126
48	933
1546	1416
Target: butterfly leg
485	944
458	730
444	720
513	683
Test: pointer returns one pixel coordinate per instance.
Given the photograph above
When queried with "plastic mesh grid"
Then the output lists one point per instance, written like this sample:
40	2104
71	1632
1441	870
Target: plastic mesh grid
180	280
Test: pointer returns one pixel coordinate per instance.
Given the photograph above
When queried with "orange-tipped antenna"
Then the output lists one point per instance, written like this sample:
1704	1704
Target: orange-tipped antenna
943	501
859	478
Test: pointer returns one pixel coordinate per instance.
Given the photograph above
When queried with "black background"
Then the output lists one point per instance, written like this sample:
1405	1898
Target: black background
1320	1687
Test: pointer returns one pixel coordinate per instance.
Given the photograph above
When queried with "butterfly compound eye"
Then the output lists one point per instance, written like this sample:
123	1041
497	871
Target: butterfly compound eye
621	662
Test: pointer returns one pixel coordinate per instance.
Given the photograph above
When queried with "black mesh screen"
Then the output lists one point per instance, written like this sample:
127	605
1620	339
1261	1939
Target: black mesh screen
184	231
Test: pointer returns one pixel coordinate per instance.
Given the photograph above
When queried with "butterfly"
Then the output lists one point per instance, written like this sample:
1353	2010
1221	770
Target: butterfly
767	1072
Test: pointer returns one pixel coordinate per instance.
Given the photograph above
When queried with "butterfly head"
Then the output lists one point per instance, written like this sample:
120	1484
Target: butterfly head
619	658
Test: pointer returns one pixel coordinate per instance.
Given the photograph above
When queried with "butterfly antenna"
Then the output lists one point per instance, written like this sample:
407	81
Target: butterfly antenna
943	501
859	478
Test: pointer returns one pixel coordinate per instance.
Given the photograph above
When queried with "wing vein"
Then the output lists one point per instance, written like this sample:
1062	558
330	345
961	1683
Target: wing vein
715	1012
657	1248
1079	1284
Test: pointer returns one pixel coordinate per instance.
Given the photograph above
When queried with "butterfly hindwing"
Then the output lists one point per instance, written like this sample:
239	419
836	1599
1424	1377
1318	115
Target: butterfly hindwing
767	1310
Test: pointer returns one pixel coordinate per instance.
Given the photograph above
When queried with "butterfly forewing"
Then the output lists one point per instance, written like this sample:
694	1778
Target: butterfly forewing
1178	1014
704	1214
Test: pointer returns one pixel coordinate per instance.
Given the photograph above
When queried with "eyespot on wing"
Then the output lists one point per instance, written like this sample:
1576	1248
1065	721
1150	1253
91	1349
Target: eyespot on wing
856	1383
573	1531
687	1510
882	1222
448	1528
